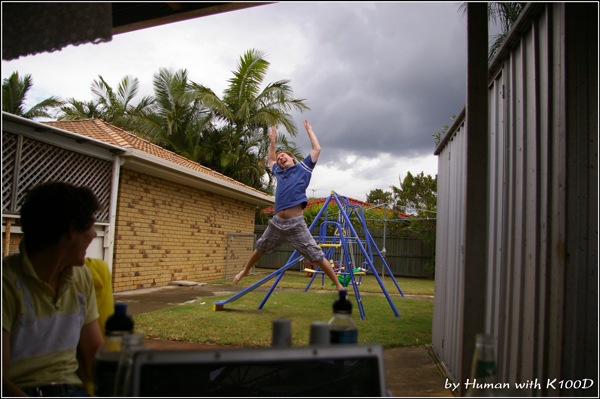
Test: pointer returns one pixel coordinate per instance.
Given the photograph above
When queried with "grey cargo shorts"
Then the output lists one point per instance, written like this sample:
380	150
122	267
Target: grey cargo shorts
293	231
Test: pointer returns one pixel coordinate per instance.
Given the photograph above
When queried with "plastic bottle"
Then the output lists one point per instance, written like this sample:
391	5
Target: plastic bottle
342	329
483	371
131	344
109	353
120	322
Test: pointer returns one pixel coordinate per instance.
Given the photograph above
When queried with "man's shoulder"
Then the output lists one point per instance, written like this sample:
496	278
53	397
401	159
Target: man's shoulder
11	264
82	273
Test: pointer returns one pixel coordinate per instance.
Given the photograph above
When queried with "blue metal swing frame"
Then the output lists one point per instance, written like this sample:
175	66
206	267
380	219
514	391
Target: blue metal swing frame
343	225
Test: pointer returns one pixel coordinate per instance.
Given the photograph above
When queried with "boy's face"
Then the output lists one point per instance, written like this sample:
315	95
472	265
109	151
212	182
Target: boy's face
284	160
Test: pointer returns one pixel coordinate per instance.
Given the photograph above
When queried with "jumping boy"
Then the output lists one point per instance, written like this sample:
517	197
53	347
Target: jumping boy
290	200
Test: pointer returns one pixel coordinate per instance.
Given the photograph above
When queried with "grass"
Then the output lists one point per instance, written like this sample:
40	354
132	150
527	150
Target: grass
242	324
298	280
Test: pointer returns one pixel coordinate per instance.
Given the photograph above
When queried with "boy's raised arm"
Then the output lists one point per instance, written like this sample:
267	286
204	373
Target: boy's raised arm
316	147
272	156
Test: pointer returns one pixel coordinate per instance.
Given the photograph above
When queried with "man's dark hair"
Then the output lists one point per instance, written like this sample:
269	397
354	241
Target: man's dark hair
50	209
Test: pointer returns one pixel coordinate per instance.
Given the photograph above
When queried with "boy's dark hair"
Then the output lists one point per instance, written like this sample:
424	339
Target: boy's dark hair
50	209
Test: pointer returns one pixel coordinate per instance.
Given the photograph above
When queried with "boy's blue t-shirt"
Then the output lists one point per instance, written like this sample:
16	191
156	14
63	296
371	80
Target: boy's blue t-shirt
292	183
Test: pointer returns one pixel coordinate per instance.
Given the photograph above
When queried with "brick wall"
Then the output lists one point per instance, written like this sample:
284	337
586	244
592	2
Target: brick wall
170	232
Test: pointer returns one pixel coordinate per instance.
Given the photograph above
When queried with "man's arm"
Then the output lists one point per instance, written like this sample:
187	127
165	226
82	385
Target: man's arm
89	342
272	157
316	147
8	388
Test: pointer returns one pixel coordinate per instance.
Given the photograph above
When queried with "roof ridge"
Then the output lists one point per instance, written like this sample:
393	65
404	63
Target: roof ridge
108	129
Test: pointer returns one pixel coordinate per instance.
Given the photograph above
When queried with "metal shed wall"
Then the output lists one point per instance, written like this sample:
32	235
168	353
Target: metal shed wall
536	130
449	249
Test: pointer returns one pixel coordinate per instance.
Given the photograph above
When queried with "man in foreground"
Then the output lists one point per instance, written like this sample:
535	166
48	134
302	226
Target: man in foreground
48	299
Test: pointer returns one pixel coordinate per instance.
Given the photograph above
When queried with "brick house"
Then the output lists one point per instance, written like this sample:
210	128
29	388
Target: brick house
164	217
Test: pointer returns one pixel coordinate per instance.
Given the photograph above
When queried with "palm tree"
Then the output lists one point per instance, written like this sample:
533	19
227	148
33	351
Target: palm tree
241	160
231	153
176	118
74	109
248	111
116	105
14	92
228	135
507	13
109	105
244	106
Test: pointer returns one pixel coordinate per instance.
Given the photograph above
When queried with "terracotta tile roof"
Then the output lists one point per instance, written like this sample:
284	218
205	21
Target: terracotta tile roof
319	201
103	131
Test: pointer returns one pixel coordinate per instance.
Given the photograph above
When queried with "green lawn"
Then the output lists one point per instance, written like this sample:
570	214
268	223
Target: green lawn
298	280
242	324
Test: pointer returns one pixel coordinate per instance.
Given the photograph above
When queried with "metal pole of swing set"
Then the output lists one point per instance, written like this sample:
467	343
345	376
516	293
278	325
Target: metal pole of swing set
384	230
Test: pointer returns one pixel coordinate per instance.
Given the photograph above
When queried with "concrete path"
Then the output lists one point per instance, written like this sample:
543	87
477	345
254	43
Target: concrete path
409	371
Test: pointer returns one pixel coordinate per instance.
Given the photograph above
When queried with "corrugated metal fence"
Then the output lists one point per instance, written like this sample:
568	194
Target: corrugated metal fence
406	257
542	151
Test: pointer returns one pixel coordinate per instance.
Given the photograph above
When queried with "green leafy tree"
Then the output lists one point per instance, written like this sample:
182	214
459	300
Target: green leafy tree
378	196
439	135
417	194
14	93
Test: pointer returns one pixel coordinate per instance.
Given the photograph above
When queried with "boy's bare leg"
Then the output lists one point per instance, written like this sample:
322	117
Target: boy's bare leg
326	266
251	262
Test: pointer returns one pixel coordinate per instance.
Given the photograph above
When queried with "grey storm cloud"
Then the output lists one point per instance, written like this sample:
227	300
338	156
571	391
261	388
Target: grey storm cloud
384	76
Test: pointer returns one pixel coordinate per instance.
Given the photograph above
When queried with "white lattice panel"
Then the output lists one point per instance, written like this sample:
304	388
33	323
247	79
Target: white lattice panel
41	162
9	151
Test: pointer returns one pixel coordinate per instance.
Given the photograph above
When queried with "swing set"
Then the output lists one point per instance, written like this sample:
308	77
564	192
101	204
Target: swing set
343	242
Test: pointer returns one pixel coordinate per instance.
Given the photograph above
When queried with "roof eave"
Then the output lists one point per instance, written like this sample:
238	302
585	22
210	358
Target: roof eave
143	162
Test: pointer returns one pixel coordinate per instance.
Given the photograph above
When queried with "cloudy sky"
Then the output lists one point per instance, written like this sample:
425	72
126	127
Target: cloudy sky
379	78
